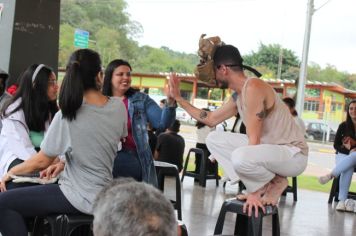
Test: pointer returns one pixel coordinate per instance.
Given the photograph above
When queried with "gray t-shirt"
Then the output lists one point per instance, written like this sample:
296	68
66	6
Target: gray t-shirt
92	141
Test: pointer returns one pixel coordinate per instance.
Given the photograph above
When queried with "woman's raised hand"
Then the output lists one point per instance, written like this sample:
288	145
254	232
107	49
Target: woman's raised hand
174	90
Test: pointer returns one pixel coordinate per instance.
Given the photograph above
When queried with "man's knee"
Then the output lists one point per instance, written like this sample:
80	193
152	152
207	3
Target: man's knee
240	160
211	139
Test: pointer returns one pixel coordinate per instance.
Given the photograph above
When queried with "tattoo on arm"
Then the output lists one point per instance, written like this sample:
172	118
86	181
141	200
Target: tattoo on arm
203	114
262	114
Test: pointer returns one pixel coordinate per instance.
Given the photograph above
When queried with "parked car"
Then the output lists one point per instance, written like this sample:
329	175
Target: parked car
318	131
182	115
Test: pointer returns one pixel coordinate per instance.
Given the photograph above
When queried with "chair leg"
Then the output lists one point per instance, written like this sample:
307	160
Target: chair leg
221	219
202	177
241	225
185	166
241	187
160	178
217	174
295	188
334	187
275	225
178	197
255	225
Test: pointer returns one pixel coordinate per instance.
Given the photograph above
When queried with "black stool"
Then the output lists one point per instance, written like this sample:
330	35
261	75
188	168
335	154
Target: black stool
246	225
64	225
202	175
183	228
334	191
292	189
164	169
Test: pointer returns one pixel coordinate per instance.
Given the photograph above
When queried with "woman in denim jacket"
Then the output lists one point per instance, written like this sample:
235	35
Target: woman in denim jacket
135	157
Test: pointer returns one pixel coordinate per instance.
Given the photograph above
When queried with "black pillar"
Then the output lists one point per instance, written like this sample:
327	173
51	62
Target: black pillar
29	33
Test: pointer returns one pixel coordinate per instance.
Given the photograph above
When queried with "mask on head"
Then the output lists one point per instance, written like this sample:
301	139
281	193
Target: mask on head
205	69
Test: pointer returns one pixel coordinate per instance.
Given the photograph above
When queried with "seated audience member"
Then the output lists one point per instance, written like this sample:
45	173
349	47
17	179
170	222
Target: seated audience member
345	146
130	208
89	126
170	146
4	96
202	132
26	117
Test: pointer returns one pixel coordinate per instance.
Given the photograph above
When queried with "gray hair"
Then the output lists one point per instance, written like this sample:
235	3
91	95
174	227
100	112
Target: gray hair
126	207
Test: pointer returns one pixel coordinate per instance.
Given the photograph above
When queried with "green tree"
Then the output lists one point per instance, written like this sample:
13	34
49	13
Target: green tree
267	56
66	46
106	44
111	31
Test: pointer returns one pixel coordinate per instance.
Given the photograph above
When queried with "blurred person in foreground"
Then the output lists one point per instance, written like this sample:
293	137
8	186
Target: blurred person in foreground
130	208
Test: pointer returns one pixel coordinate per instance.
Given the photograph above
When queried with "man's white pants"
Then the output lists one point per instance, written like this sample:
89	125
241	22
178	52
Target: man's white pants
255	165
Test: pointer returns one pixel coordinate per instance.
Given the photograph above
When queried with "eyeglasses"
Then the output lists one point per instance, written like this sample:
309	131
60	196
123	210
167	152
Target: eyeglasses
128	74
52	82
228	65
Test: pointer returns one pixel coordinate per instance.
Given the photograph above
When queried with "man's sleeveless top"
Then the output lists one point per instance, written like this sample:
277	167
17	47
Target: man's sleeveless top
278	126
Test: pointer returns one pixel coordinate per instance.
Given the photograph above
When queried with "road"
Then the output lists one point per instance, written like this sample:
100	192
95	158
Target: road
321	155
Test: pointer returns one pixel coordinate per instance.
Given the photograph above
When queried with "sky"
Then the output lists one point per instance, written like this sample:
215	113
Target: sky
178	24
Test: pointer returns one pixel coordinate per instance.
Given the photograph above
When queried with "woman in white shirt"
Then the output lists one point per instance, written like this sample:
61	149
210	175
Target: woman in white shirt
202	132
26	116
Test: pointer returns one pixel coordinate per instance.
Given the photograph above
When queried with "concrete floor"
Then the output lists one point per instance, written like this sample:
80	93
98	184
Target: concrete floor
311	215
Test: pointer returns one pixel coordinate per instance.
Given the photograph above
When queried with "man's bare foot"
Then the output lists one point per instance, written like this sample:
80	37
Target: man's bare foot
260	192
241	197
275	189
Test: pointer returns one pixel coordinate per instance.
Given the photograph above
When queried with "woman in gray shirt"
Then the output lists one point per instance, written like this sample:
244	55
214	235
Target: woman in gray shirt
86	130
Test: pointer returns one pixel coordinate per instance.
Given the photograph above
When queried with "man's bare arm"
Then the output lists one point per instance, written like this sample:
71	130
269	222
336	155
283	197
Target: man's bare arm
209	118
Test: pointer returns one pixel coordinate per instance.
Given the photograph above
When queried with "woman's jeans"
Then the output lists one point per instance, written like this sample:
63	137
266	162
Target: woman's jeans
28	202
345	165
127	164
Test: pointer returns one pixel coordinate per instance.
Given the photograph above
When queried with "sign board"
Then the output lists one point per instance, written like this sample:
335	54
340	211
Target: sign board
81	38
327	104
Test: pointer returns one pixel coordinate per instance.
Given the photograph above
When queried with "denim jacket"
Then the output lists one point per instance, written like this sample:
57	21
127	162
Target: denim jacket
143	109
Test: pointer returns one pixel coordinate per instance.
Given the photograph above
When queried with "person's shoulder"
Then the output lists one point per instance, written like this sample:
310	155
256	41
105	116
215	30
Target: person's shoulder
116	102
162	135
342	124
181	137
136	94
58	115
255	84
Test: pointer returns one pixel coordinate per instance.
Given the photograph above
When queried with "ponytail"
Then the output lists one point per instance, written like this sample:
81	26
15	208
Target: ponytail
82	70
72	91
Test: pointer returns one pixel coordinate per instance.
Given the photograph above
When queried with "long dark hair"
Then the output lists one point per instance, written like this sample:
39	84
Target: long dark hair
81	72
291	104
350	128
107	86
33	86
